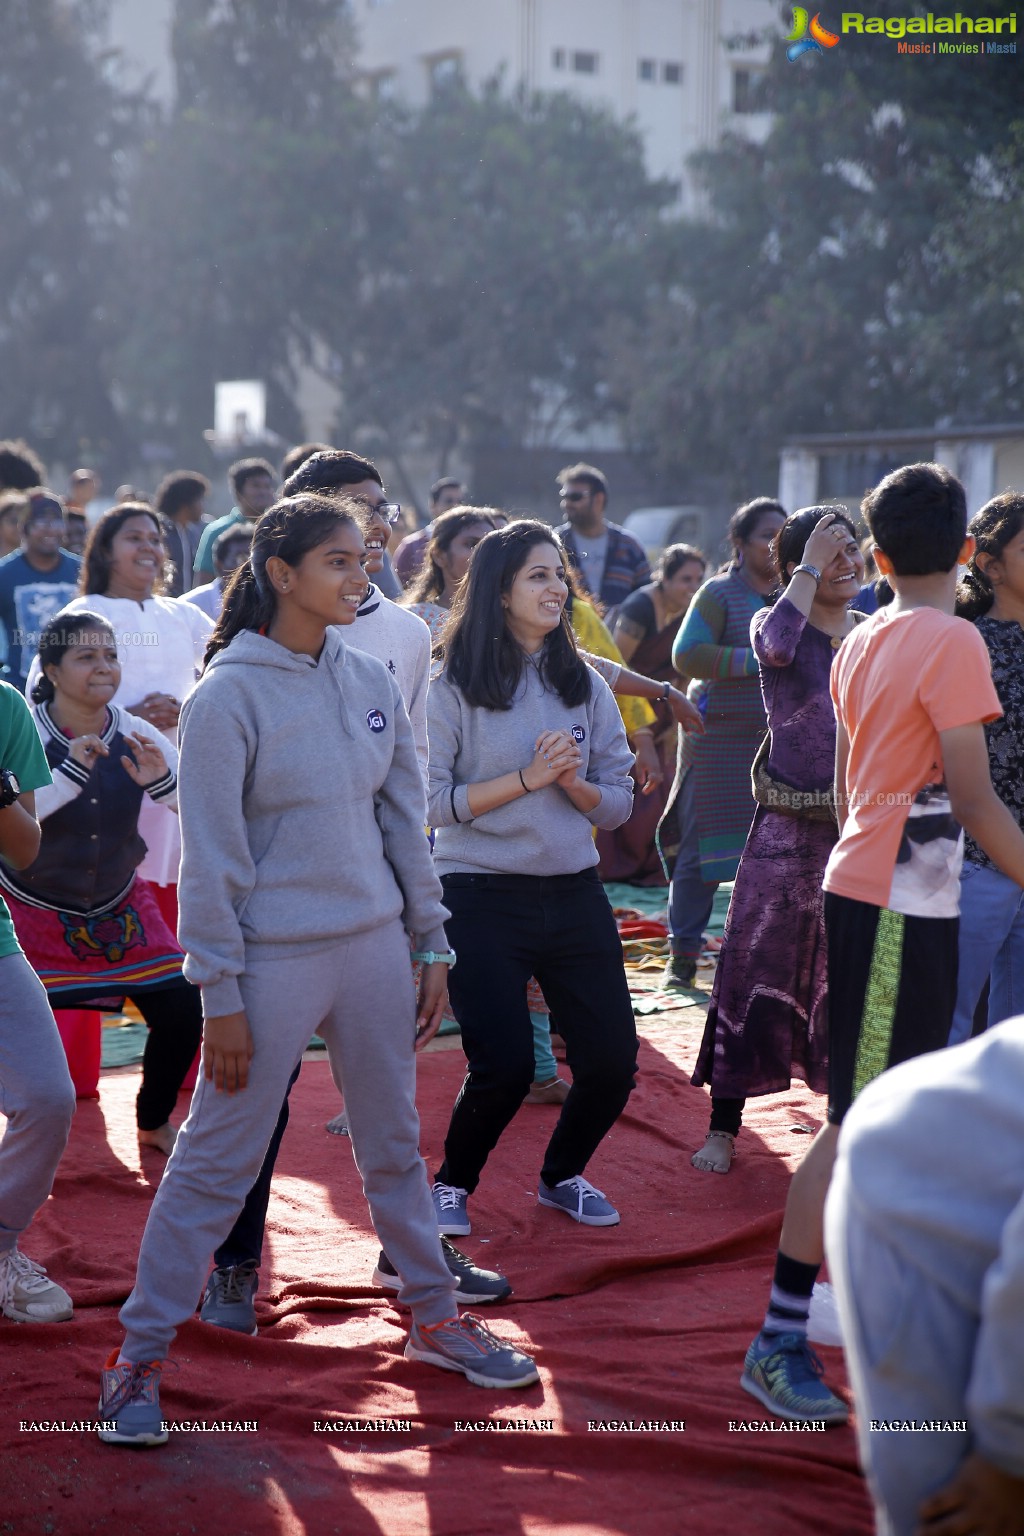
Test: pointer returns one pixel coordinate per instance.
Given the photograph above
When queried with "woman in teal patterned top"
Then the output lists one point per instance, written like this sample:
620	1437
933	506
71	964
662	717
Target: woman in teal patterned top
708	817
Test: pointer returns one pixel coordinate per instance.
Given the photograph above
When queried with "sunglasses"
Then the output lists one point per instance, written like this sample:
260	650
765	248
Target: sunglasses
573	496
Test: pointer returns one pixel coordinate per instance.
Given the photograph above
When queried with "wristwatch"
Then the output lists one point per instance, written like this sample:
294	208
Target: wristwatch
809	570
10	789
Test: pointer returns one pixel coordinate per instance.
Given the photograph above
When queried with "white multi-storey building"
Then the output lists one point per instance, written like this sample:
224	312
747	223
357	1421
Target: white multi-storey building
682	69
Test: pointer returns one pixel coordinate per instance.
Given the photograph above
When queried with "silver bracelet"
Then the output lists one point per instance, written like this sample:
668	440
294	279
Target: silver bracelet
809	570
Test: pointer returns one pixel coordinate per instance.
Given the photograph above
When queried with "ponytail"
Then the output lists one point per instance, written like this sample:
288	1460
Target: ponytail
974	594
999	521
245	607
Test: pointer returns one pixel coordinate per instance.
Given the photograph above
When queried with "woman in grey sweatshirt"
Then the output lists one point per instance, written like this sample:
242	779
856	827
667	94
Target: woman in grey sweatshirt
527	755
304	873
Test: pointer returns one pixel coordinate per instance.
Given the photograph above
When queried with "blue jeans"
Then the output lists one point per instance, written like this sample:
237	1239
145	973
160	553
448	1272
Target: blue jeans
690	896
991	942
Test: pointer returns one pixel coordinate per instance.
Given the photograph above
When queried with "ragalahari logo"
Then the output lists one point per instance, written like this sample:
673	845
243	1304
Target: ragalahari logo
798	40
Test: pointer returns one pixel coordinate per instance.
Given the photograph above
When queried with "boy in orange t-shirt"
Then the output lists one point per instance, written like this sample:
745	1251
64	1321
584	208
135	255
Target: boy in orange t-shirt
912	689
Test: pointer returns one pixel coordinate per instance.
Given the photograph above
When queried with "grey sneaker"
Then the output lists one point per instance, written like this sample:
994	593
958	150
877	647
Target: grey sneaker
679	974
26	1295
475	1286
229	1300
130	1403
464	1344
581	1201
450	1209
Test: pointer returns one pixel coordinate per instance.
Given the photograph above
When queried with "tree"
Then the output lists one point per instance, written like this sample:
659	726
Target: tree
65	131
238	243
512	228
860	269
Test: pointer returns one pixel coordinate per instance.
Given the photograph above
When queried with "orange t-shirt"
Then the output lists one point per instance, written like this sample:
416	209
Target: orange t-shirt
898	681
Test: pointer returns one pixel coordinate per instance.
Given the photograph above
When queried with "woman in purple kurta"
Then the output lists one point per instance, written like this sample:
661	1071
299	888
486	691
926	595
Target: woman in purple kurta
768	1019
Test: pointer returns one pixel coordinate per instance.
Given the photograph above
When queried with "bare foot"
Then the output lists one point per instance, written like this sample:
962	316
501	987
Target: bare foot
162	1138
716	1155
339	1125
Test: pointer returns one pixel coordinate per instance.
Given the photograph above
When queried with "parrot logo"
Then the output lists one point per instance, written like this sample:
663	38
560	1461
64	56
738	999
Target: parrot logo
799	42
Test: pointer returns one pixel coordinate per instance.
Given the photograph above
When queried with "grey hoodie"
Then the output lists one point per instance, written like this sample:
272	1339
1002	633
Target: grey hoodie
302	809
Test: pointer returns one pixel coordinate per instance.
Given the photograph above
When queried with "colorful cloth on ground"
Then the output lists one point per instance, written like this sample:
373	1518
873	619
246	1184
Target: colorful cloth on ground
21	753
1005	737
97	959
714	643
768	1019
630	852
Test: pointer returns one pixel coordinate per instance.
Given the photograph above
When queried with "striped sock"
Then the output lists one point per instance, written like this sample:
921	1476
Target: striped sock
790	1300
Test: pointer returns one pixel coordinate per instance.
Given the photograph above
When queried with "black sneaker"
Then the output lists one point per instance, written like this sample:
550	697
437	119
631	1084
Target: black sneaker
475	1286
229	1300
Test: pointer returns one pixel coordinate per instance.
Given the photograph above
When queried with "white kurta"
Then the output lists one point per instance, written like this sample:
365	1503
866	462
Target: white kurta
160	645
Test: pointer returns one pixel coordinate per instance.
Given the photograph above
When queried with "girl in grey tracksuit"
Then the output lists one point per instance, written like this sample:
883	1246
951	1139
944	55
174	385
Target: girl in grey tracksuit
304	873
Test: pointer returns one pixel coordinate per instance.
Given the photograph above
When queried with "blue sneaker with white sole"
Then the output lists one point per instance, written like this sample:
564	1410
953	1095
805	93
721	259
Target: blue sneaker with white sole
783	1372
580	1200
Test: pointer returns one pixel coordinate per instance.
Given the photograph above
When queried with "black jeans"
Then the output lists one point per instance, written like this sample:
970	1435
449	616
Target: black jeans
174	1019
244	1243
559	928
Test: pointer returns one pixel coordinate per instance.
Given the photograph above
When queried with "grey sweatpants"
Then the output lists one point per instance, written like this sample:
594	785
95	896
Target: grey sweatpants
358	996
36	1095
909	1348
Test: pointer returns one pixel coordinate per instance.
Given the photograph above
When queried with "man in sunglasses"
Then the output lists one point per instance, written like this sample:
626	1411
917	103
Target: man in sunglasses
609	561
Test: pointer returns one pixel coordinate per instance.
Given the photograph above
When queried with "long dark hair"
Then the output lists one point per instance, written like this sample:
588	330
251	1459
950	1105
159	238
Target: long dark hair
448	525
288	529
999	521
59	635
94	579
482	657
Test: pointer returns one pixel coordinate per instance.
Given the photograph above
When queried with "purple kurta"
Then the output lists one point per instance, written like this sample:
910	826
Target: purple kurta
768	1020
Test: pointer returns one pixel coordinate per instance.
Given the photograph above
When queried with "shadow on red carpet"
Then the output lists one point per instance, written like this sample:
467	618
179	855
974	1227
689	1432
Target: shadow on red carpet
645	1322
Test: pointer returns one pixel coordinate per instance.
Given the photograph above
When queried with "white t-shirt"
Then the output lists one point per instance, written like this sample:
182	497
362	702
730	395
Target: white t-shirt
400	640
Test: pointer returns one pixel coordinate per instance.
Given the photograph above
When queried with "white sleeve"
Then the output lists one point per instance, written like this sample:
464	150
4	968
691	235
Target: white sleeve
165	790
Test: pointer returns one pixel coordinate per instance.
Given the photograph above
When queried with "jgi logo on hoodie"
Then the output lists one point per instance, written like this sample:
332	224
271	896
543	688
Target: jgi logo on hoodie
376	721
578	734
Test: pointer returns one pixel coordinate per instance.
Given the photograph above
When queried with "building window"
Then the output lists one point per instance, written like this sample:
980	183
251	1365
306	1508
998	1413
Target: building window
382	86
748	90
672	74
558	58
444	70
646	69
585	63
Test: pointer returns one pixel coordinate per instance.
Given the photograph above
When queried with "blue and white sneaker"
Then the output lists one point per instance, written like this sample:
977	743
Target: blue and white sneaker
464	1344
130	1401
783	1372
580	1200
450	1209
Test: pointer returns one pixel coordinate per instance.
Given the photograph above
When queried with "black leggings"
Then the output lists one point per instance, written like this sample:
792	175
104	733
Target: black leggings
726	1115
174	1020
559	928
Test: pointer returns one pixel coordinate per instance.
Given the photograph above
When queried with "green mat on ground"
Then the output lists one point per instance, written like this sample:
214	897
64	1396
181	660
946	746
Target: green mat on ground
652	901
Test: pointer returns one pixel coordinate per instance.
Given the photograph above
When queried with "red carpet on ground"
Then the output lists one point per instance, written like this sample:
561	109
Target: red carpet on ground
647	1321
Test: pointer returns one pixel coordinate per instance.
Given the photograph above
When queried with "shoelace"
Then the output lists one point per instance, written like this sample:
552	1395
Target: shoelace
448	1196
229	1283
797	1345
136	1384
16	1268
467	1323
583	1188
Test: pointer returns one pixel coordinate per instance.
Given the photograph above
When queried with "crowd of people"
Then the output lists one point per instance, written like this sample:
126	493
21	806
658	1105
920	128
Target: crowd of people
497	693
